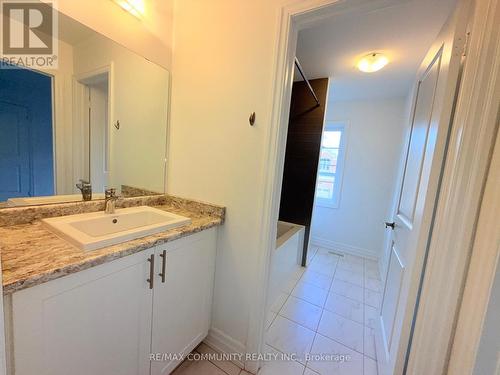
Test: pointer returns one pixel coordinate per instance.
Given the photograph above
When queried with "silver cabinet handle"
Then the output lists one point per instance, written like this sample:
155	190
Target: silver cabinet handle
151	261
162	274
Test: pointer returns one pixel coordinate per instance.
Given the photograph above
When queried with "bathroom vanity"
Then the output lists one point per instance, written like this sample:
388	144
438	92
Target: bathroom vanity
131	308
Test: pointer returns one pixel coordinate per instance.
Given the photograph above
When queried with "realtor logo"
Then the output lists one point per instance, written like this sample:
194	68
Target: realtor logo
29	37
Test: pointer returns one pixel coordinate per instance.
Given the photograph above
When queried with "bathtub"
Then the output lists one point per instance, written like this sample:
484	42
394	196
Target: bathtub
286	259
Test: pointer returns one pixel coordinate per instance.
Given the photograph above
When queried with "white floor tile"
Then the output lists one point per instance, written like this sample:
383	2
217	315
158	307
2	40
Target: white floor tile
311	253
317	279
289	285
351	266
270	318
289	337
371	269
308	371
369	341
344	360
310	293
278	304
302	312
354	259
346	289
371	316
323	250
339	297
373	298
227	366
373	284
370	366
349	276
372	274
197	368
343	330
278	366
297	274
324	269
346	307
326	259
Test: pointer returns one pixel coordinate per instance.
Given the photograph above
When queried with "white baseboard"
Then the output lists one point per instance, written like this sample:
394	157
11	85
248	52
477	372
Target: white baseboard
223	343
344	248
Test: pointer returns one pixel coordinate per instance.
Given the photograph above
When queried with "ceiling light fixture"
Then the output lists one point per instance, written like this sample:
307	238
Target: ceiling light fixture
134	7
372	62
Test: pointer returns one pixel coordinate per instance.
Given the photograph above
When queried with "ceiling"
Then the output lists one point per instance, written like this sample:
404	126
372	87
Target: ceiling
72	31
403	32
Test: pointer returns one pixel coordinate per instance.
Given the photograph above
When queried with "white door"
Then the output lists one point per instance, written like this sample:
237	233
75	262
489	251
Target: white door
96	321
182	302
432	109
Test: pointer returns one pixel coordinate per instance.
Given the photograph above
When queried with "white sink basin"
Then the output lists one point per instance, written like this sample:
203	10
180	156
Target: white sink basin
95	230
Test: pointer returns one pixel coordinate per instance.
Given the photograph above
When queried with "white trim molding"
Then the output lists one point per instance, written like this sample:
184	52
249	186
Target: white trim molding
223	343
483	267
344	248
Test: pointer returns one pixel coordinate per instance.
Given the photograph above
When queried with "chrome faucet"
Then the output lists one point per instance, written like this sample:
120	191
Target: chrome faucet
110	198
86	189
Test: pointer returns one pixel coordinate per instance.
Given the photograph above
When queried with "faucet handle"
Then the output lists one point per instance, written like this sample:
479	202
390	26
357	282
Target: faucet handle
84	182
83	185
110	193
86	188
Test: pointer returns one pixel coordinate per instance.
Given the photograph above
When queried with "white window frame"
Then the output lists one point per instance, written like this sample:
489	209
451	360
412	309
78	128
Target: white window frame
334	202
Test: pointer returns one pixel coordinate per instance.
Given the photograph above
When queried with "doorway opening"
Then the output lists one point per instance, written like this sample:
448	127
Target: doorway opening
92	124
375	145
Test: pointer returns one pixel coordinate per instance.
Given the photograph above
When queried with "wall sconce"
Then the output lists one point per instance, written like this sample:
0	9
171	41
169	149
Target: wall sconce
134	7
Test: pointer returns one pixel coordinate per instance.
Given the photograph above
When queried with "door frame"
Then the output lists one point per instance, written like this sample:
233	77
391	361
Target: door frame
463	178
80	106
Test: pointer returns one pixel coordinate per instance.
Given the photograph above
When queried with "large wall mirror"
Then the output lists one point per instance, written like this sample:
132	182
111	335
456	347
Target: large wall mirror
100	118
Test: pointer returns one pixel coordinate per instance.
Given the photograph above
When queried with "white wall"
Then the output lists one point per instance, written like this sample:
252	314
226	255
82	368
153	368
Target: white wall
223	65
151	36
140	102
375	132
63	83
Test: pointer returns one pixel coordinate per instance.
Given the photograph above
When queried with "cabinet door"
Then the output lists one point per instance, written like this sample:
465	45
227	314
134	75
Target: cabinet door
96	321
182	304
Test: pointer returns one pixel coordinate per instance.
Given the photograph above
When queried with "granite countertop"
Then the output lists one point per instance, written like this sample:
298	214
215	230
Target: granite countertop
32	254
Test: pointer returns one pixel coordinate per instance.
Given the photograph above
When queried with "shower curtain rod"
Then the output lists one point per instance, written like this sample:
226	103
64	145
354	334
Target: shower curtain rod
297	64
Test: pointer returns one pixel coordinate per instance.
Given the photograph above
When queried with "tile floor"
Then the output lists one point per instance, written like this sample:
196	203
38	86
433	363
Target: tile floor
330	307
205	367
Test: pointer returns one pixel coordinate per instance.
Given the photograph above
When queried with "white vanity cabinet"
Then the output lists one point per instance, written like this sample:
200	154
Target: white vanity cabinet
107	320
182	303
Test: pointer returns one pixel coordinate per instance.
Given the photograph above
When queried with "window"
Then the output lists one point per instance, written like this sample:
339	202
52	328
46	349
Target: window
331	163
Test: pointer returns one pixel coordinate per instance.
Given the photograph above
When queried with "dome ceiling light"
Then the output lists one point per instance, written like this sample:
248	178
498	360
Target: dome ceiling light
372	62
